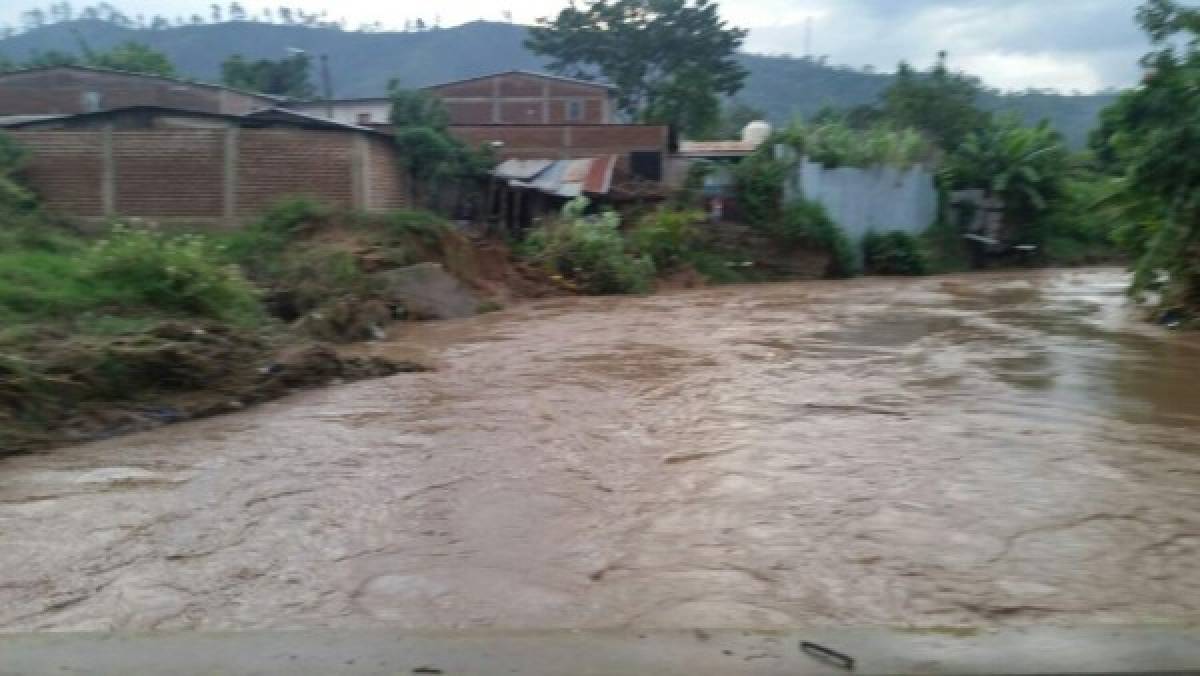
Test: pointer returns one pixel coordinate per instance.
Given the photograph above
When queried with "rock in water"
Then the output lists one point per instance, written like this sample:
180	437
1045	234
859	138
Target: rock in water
427	291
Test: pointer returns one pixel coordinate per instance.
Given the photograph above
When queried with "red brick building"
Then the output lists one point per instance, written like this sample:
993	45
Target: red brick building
205	168
519	97
77	89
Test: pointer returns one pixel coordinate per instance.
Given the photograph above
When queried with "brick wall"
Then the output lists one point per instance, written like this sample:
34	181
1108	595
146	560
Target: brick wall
168	174
66	90
387	179
275	163
66	170
518	98
209	175
566	141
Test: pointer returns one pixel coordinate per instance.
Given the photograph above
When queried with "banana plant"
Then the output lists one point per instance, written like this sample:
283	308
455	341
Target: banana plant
1023	166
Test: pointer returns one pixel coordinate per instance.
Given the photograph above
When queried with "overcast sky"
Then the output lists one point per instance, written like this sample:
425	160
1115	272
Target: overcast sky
1012	44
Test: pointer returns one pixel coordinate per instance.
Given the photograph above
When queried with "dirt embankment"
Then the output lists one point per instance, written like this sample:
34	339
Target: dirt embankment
73	388
60	386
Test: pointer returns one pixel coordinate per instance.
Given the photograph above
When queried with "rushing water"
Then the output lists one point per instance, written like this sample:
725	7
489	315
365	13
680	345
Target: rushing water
992	449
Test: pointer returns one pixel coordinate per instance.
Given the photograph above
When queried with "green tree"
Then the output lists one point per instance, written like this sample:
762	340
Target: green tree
51	58
1023	166
686	100
669	59
285	77
1153	132
939	103
427	149
133	57
735	117
415	108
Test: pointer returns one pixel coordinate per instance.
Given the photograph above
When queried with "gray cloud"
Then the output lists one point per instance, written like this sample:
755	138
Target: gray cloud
1066	44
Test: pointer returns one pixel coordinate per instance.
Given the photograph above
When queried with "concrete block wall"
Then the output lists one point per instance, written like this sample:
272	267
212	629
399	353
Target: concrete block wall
876	199
214	176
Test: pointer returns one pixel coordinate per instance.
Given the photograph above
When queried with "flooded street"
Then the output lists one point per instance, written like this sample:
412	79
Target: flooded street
998	449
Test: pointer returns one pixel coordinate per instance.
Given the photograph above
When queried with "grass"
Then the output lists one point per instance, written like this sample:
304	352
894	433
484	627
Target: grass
57	276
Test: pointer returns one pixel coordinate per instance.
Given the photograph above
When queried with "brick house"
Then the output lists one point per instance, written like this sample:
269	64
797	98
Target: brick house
79	89
519	97
203	168
511	98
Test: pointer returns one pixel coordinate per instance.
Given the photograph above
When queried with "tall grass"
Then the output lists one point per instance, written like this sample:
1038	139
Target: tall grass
131	272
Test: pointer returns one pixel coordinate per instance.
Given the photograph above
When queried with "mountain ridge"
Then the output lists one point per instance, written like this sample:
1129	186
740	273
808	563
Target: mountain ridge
363	63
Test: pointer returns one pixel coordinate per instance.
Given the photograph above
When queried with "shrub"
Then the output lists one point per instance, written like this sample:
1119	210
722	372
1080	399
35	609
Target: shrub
186	274
894	253
403	224
257	246
590	250
315	275
758	181
833	143
13	195
805	222
39	284
666	237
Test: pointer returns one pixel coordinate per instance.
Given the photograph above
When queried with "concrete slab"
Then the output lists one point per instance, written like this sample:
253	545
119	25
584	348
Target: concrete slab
1097	650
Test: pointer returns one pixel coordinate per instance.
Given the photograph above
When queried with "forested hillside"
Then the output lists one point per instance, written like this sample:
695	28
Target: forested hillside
362	63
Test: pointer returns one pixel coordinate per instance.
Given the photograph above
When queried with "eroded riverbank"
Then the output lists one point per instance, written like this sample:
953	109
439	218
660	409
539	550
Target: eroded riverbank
982	450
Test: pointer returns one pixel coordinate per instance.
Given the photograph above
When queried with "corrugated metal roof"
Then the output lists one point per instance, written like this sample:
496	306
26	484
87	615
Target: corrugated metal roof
521	170
561	178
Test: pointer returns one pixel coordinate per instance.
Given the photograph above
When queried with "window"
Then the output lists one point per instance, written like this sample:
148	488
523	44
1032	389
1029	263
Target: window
364	118
574	111
646	164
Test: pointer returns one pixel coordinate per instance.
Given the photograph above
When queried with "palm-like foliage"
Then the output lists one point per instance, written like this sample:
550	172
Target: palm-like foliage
1023	166
1152	134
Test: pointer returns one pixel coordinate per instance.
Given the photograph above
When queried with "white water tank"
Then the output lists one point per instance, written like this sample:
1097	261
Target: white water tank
757	132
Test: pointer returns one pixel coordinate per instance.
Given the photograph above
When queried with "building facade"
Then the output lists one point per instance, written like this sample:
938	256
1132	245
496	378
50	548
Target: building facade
366	111
204	168
519	97
77	89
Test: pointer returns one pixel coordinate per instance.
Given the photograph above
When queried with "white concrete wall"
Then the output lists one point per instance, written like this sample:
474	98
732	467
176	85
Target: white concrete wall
348	111
880	199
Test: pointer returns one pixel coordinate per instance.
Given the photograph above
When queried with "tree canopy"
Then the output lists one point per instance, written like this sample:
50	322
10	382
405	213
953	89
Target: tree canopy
133	57
426	147
285	77
669	59
1152	136
942	104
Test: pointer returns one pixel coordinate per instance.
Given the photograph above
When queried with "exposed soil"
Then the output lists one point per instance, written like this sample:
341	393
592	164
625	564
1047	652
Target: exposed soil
70	388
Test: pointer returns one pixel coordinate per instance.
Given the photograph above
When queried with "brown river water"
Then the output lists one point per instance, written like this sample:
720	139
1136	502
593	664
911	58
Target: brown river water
984	450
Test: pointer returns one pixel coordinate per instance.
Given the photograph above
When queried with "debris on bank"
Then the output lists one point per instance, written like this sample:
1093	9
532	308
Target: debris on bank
80	388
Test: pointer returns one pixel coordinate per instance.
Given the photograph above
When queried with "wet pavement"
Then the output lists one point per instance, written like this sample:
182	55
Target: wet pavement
987	450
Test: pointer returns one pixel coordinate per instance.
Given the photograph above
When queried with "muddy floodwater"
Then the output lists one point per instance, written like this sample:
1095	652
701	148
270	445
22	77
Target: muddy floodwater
983	450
